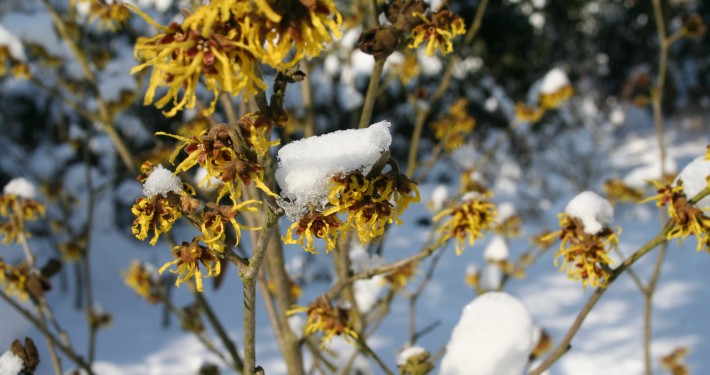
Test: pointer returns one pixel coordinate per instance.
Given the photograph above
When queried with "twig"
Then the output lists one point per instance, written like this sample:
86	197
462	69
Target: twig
221	332
366	348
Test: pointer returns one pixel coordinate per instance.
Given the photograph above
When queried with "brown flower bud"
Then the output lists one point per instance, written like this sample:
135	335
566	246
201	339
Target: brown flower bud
403	13
28	354
379	42
693	25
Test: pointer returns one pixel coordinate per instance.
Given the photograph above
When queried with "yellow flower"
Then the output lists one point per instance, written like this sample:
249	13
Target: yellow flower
188	257
584	256
452	130
471	184
555	99
438	31
155	214
330	321
318	225
617	191
15	283
687	219
527	113
399	278
257	133
216	217
466	221
219	42
674	361
18	210
144	282
303	27
707	153
367	200
218	151
111	16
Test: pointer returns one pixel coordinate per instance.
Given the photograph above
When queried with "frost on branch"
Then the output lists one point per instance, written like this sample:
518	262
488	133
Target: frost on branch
594	211
161	181
694	179
493	337
306	166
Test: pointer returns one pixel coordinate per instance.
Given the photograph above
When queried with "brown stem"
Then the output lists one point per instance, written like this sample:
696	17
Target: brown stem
371	94
221	332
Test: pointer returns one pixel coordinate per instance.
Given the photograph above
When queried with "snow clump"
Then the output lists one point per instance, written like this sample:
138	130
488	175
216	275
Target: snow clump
21	187
554	81
407	353
305	166
497	250
594	211
161	181
14	45
693	178
438	197
493	337
366	291
10	364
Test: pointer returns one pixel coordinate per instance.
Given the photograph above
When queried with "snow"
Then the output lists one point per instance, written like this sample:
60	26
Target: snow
366	291
21	187
492	277
497	250
694	180
438	197
493	337
594	211
506	210
10	364
553	81
161	181
305	166
14	45
409	352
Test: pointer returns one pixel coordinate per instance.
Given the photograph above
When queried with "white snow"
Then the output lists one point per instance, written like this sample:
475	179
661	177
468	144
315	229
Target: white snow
553	81
411	351
506	210
366	291
10	364
206	183
693	177
497	250
14	45
594	211
492	277
21	187
438	197
306	166
493	337
161	181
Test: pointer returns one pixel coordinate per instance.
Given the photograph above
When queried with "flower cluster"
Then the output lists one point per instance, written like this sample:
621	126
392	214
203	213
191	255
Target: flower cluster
368	201
226	156
188	257
452	130
585	256
398	278
156	214
143	279
111	16
223	42
468	220
617	191
313	225
324	318
686	218
16	210
437	31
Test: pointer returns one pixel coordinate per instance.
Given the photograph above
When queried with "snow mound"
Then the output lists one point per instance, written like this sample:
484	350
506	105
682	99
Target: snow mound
306	166
366	291
21	187
493	337
554	81
14	45
161	181
10	364
409	352
438	197
594	211
497	250
693	177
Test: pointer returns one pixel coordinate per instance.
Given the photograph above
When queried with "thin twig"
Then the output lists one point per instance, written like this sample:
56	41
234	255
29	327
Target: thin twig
221	332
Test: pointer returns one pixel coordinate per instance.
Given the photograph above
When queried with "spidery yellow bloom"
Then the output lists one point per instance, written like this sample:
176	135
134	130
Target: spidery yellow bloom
17	211
330	321
143	280
315	225
527	113
687	219
555	99
111	16
399	278
617	191
437	31
466	221
15	280
584	256
453	129
155	214
188	257
216	217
